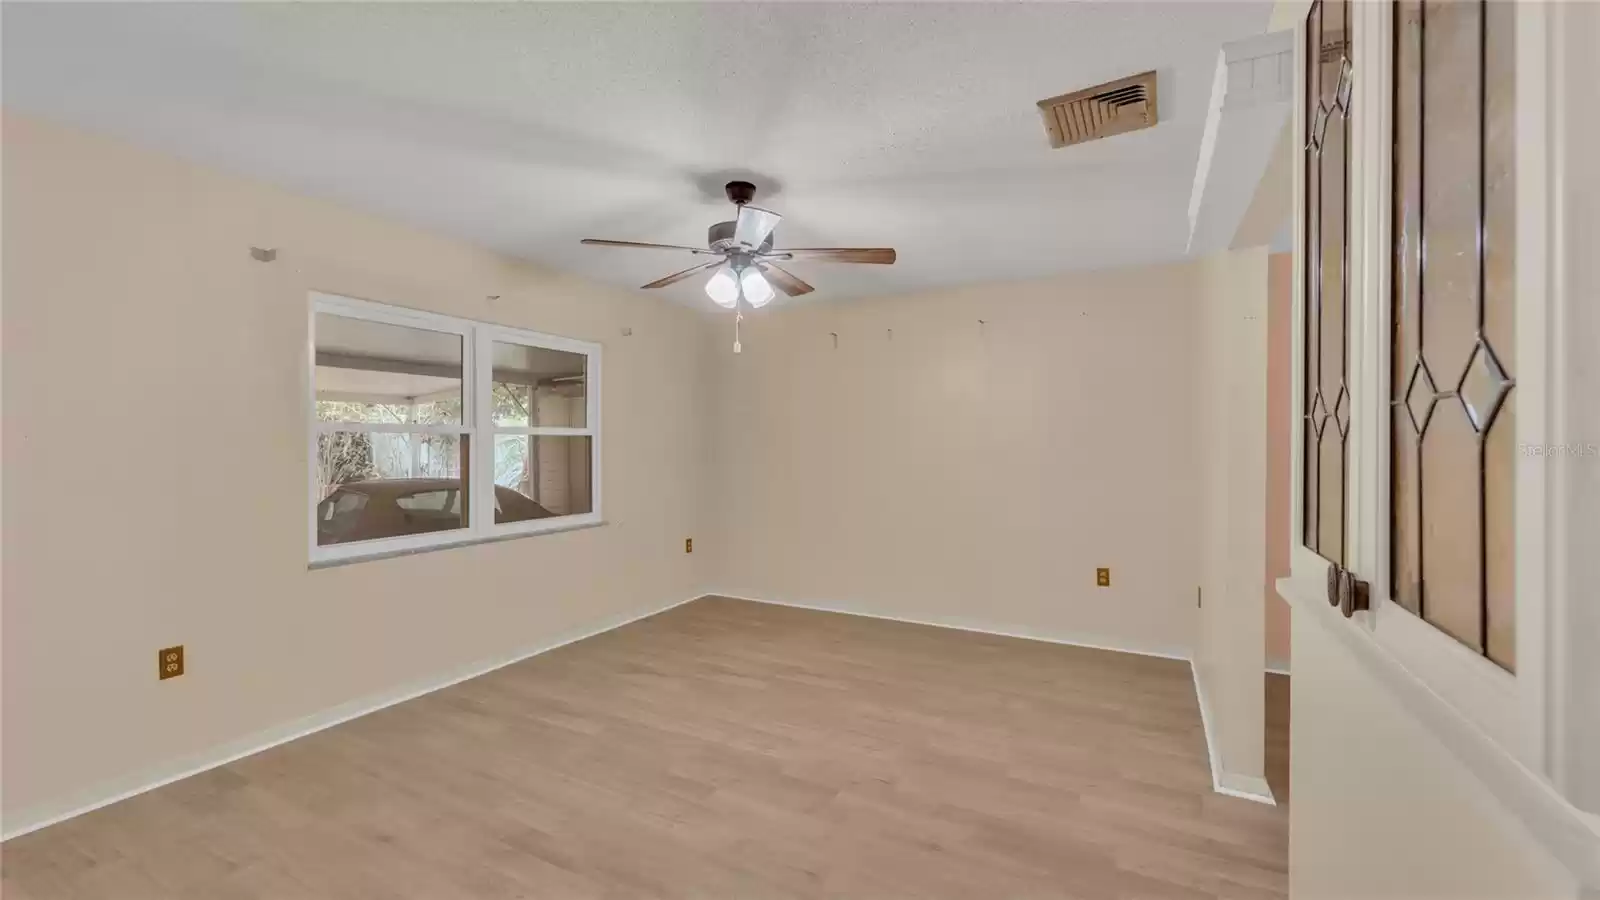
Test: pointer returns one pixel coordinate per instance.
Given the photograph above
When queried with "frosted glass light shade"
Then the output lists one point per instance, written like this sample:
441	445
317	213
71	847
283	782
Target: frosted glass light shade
757	292
723	289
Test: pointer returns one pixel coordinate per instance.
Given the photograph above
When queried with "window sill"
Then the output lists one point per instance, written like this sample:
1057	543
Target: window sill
1568	834
452	545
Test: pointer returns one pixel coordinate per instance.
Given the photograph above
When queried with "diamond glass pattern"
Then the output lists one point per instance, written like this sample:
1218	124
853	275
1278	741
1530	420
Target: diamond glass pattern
1483	386
1421	395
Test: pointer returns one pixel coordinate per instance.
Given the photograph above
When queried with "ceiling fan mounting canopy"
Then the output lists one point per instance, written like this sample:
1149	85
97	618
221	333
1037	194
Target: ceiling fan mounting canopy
744	246
740	192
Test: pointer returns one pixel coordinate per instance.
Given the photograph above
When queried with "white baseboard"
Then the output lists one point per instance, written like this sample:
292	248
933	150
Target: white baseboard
1092	642
1245	787
107	793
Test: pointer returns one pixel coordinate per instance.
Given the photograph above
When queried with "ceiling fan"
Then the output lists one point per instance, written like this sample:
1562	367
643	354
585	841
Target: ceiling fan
745	265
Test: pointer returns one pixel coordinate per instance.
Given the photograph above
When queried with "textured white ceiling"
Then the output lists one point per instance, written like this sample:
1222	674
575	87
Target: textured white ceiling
524	127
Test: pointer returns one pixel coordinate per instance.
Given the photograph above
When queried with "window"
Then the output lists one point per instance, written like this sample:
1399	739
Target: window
542	448
429	430
1452	456
1327	400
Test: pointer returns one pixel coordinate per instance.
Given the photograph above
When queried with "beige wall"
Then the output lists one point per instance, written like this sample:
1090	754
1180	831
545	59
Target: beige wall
939	469
1229	391
1280	449
1382	809
155	463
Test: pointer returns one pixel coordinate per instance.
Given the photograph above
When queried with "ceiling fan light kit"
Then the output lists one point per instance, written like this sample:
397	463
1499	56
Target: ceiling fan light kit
723	289
745	264
757	292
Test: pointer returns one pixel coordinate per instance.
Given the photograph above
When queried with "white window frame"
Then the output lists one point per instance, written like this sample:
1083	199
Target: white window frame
483	489
477	411
1510	709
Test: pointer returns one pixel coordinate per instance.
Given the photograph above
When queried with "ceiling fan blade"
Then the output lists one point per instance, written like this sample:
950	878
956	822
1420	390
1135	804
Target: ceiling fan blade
785	280
881	256
754	225
676	277
600	243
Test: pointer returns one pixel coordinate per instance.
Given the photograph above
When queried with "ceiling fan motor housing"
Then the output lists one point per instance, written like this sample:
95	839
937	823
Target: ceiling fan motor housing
720	238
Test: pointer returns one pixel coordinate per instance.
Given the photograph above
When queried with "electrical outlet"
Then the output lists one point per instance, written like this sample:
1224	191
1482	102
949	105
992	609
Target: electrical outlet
170	662
688	545
1102	577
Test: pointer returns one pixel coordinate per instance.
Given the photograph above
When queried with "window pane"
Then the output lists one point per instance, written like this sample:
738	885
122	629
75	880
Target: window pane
1334	51
1314	68
1331	355
1499	511
1499	182
1453	302
387	485
1330	531
1330	526
1312	490
1404	536
1405	498
536	476
539	387
1451	562
1327	400
1450	147
380	373
1407	221
431	501
1309	367
1499	297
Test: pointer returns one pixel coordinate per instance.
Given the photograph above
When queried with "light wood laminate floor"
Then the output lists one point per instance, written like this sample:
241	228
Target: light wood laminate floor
723	749
1278	737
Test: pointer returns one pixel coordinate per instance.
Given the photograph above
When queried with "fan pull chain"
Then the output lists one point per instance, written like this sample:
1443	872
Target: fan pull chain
738	317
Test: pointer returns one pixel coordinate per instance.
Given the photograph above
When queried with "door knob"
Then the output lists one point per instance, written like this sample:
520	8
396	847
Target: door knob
1347	592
